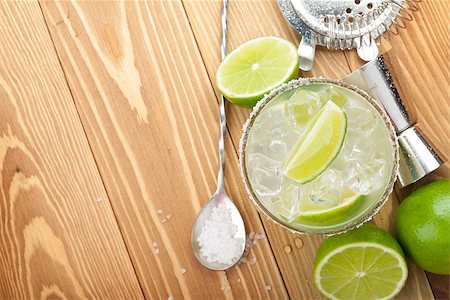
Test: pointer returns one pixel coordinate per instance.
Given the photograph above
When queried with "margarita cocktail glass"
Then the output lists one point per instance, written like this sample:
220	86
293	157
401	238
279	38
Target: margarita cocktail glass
350	189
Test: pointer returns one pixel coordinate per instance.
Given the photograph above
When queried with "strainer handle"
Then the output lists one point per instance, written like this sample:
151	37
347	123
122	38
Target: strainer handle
306	51
368	51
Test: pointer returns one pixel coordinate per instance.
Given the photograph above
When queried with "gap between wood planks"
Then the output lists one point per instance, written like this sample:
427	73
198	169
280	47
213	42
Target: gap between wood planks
91	150
235	146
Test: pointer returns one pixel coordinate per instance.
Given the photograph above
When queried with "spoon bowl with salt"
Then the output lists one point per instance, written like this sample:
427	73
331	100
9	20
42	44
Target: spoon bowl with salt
218	234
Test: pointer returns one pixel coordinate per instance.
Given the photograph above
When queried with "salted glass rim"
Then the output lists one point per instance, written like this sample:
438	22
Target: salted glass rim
303	82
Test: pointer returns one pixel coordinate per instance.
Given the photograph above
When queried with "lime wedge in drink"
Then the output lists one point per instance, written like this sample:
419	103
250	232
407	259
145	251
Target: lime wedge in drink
318	146
365	263
327	214
256	67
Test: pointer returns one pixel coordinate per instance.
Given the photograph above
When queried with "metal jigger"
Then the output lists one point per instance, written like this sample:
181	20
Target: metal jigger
417	157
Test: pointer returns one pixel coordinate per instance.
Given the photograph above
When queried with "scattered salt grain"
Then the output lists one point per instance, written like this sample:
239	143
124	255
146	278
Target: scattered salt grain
252	261
243	260
224	275
254	242
251	235
159	211
217	237
268	287
170	298
99	199
259	236
183	271
155	244
168	216
225	288
239	280
156	251
164	220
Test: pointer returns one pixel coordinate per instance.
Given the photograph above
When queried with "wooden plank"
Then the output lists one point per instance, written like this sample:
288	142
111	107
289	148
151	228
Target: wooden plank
420	68
58	234
245	22
151	116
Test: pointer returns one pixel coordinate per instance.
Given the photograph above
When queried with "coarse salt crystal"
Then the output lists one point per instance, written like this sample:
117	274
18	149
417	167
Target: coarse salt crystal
268	287
156	251
217	237
252	261
259	236
164	220
155	244
159	211
183	271
170	298
224	275
168	216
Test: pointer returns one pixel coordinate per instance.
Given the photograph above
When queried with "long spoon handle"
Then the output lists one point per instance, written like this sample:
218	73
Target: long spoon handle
223	121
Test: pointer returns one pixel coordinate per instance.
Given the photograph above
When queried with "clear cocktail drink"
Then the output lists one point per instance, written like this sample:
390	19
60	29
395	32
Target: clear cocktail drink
345	188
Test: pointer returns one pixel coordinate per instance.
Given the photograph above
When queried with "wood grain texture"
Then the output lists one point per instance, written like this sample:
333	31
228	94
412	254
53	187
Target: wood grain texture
58	234
141	76
245	23
419	63
151	116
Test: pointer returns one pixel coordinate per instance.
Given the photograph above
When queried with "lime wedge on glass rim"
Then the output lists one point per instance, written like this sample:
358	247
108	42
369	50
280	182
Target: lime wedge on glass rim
255	68
364	263
318	146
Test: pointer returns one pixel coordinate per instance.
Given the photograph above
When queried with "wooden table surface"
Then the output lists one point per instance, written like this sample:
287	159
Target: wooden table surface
108	137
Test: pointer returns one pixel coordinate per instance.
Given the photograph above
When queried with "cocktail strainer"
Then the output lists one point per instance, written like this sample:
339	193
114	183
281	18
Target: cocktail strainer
345	24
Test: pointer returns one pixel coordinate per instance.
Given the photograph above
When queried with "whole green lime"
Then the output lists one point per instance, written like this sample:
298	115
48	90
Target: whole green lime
423	226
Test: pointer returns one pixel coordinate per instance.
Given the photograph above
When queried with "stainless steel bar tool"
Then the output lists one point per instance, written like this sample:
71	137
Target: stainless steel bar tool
345	24
220	197
417	156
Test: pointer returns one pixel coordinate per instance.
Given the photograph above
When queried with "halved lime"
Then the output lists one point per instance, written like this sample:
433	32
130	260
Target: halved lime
256	67
365	263
327	214
318	146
